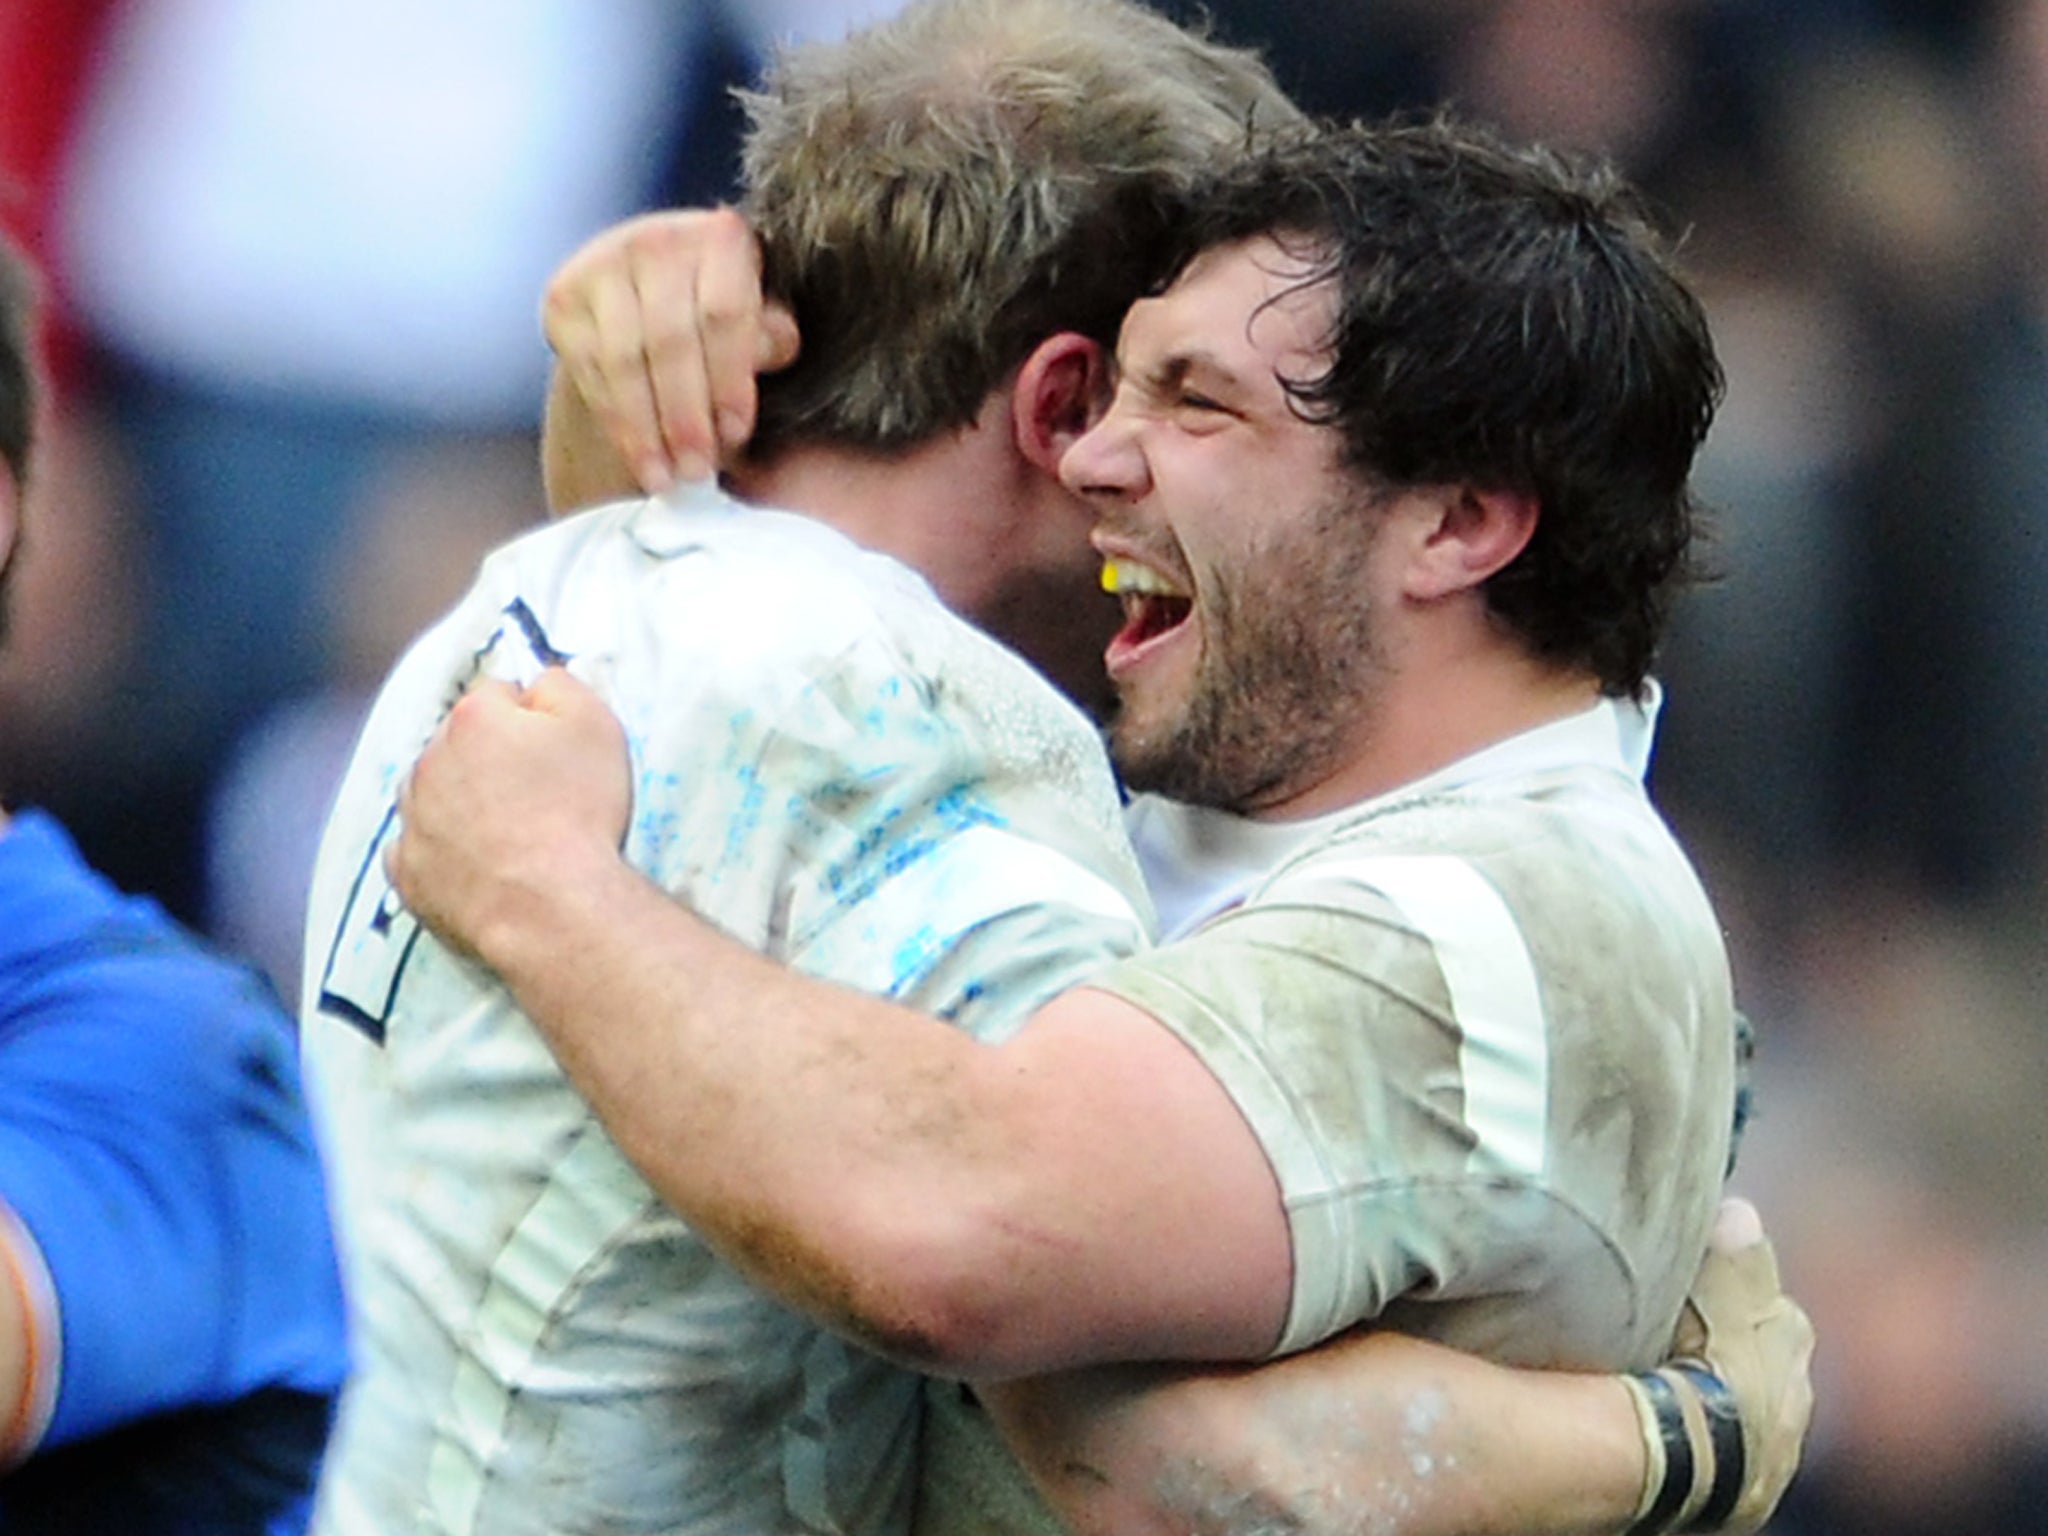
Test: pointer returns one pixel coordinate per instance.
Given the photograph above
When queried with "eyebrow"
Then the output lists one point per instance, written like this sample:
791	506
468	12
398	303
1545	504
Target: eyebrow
1171	372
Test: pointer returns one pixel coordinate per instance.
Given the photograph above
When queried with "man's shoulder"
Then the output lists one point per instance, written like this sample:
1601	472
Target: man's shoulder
784	557
709	583
1560	817
72	937
1574	859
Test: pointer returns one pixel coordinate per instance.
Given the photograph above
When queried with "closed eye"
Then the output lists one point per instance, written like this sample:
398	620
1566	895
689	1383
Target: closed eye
1201	415
1172	387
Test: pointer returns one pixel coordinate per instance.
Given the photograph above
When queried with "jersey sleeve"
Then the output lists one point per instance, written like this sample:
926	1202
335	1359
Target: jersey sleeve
1380	1029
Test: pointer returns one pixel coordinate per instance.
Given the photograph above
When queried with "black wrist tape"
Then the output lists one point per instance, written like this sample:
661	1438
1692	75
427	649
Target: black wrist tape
1678	1460
1724	1435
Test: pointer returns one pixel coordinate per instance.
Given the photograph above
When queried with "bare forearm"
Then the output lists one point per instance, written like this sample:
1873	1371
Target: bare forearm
1376	1432
983	1210
757	1102
579	466
942	1201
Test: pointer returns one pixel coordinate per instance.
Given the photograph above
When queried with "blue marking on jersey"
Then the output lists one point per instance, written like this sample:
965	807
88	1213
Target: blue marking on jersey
536	637
746	817
961	807
851	868
970	995
913	957
875	859
657	819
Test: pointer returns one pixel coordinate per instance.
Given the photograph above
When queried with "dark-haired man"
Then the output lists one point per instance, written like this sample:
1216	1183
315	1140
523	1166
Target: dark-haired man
1393	489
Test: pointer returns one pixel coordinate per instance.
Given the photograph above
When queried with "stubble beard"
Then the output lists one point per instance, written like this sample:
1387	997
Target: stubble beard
1285	685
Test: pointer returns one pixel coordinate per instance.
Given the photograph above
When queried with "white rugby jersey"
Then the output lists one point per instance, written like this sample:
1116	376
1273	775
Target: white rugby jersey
1483	1027
835	770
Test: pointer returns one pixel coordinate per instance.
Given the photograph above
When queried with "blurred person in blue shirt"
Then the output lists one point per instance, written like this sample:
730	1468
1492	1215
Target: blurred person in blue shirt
170	1314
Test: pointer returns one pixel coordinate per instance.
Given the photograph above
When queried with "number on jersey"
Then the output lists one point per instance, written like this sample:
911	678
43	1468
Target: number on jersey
371	945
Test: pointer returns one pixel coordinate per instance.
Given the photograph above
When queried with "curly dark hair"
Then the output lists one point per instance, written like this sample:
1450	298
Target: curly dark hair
1509	319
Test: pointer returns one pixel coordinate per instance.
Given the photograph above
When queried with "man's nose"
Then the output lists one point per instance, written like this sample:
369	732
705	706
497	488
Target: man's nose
1106	460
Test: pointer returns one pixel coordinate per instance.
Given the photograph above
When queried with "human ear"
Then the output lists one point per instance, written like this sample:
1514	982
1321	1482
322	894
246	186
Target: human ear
1470	534
1058	390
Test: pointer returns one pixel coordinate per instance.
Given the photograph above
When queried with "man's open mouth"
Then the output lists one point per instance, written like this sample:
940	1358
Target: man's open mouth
1151	604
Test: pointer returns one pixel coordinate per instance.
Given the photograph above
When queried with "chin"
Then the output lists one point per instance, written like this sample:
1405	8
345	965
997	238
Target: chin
1145	756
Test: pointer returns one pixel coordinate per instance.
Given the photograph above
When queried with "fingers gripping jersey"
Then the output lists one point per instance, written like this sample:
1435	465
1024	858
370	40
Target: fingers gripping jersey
836	771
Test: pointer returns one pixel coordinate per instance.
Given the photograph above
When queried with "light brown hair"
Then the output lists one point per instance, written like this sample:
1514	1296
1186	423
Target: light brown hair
940	192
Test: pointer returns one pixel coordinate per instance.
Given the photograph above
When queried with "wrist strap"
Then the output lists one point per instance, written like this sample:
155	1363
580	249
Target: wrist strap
1674	1487
1693	1474
1654	1462
1724	1437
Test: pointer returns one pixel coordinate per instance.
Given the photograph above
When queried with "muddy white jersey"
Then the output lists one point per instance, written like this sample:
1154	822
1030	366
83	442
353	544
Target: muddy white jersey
1484	1029
830	767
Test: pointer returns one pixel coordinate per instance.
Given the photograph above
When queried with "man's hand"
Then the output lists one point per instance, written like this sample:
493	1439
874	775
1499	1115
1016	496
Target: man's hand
517	792
660	327
1743	1358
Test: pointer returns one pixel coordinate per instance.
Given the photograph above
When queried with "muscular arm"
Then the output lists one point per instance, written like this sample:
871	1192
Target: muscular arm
1372	1431
930	1195
971	1209
1375	1430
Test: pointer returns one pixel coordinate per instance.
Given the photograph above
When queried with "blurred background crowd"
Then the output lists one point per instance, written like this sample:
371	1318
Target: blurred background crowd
294	250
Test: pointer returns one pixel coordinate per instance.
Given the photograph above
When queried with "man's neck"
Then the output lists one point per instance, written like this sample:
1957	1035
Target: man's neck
1426	721
930	505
